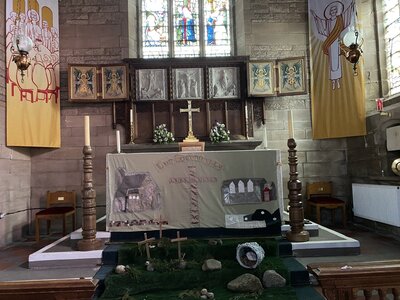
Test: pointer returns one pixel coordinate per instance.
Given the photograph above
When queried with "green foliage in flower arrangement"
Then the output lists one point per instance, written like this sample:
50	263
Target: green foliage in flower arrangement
161	135
219	133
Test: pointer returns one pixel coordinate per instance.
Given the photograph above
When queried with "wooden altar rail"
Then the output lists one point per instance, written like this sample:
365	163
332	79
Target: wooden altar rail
349	281
46	289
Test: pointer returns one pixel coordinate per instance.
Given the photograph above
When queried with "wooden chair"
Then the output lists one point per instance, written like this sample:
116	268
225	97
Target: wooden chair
60	205
319	195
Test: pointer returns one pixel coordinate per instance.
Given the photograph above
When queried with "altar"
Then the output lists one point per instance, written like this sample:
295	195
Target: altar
225	191
249	144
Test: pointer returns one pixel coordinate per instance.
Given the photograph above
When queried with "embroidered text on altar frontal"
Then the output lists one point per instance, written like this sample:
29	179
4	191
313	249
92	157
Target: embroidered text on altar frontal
179	158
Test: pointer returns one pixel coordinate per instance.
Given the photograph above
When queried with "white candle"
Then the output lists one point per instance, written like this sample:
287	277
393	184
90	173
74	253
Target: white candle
290	124
265	136
87	131
131	115
118	141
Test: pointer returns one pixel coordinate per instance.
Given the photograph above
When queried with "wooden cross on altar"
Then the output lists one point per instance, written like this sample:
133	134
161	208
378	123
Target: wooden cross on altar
146	241
189	110
179	239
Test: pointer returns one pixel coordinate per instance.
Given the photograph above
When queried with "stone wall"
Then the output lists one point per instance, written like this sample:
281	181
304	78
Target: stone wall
15	167
91	32
276	30
132	26
373	58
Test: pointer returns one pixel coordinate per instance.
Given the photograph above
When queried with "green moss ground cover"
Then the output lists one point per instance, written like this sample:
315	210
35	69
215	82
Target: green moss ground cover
170	282
220	294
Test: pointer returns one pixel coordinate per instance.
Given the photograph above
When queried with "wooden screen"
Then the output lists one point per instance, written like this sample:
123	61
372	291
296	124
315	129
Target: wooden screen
160	88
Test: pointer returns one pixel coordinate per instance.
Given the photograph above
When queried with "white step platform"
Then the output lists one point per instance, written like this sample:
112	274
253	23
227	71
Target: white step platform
63	251
327	243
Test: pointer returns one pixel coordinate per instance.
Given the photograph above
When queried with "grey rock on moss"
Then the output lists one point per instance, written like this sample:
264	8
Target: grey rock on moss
272	279
245	283
211	265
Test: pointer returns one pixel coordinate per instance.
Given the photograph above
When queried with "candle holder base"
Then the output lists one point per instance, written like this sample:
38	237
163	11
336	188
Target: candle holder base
302	236
190	138
132	135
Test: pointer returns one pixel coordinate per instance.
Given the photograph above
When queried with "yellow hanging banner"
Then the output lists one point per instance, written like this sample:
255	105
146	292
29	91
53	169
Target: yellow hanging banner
337	90
33	98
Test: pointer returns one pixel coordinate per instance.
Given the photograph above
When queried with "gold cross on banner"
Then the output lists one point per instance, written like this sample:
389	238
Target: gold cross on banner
189	110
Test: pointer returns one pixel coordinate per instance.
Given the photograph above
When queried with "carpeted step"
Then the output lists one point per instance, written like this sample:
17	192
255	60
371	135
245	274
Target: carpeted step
299	275
110	255
284	248
101	275
308	293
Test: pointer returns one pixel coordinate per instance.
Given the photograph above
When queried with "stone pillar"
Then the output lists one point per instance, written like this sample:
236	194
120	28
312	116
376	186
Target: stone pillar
89	241
296	212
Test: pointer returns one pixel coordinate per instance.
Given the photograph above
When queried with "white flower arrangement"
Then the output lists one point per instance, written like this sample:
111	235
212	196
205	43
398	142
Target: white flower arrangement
161	135
219	133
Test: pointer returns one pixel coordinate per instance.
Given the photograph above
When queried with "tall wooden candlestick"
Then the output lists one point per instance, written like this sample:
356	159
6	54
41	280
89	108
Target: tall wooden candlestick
296	212
89	241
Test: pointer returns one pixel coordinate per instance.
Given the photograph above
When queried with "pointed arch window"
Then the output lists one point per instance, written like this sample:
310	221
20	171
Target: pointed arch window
232	188
241	187
250	186
185	28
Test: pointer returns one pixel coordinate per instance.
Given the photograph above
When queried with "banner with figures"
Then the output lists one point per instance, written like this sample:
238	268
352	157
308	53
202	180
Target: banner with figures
33	97
337	89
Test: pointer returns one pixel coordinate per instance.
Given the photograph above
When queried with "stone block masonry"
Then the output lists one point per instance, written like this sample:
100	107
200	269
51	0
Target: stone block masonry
277	30
91	32
15	166
95	31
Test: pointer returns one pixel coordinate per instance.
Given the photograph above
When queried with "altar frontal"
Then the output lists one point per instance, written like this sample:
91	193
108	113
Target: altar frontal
220	189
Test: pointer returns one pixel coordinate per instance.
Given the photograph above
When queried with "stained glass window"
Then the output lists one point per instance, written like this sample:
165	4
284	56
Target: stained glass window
185	28
217	27
391	10
155	33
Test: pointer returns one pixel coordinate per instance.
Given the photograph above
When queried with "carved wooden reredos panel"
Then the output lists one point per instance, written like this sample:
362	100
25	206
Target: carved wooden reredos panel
160	87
